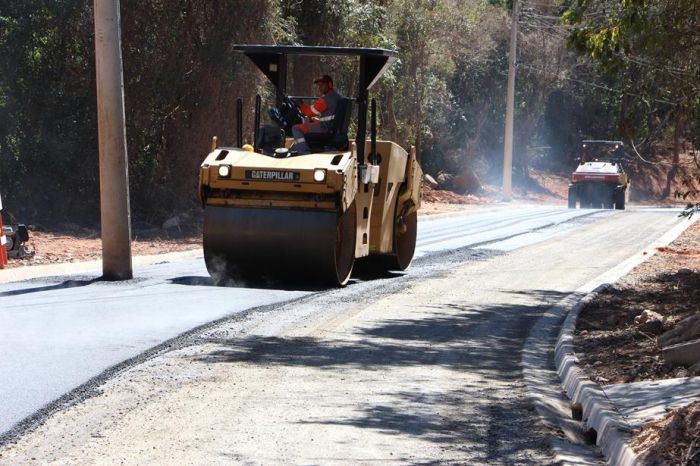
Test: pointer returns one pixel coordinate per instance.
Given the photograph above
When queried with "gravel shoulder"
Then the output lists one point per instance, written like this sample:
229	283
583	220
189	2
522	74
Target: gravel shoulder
72	247
408	378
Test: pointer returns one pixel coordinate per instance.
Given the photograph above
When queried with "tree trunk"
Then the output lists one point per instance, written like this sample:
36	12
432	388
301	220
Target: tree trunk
671	175
390	119
472	143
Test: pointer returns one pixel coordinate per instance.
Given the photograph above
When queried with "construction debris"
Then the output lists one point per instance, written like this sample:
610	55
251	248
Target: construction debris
680	346
682	354
685	330
675	439
647	316
465	183
430	181
16	237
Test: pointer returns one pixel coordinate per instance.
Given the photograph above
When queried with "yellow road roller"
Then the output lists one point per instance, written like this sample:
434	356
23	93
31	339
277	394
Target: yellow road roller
272	213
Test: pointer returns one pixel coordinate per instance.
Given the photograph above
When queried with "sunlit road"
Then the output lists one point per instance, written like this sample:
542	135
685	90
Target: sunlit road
58	333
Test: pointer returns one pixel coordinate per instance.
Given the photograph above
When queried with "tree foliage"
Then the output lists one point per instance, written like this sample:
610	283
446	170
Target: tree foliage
653	48
445	94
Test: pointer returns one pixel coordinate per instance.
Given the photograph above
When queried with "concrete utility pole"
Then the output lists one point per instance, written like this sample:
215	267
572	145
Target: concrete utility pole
510	104
114	176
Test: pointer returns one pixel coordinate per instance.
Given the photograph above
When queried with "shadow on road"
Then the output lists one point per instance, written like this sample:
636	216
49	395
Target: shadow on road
360	274
483	343
250	284
59	286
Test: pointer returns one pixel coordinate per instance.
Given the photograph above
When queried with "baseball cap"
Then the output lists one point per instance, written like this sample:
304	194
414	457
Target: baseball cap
323	79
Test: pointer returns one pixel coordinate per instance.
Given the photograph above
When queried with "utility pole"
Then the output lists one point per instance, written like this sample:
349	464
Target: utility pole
510	104
114	176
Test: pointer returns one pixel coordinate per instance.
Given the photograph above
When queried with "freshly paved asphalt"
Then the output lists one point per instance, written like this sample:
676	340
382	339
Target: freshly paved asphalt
57	333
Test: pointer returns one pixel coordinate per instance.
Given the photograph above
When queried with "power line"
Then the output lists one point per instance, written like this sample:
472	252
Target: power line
679	164
598	86
668	69
542	24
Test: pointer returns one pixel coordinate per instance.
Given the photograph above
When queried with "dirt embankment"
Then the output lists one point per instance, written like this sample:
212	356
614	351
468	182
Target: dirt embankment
81	245
614	347
650	176
675	439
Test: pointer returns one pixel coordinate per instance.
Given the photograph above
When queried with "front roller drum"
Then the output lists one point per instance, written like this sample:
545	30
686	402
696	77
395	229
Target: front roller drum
250	245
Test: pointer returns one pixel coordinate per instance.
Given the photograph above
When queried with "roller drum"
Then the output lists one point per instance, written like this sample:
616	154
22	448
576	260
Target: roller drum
289	245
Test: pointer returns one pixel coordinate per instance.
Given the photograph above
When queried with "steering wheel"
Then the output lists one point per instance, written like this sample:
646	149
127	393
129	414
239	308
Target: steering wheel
276	116
292	112
286	115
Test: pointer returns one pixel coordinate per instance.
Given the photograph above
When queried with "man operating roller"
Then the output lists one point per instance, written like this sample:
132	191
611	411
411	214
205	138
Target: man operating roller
319	116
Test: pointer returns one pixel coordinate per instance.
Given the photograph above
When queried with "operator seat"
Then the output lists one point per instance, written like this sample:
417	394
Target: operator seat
337	138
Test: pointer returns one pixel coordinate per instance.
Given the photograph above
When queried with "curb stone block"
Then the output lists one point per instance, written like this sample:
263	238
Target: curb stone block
682	354
598	413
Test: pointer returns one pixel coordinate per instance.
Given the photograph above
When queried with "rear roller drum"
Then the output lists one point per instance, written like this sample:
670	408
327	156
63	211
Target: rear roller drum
405	233
346	232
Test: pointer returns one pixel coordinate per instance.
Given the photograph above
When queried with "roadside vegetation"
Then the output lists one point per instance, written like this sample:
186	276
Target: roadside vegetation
587	69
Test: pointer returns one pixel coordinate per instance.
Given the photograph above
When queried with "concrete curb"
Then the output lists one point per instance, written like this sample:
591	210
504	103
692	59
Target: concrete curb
588	399
543	389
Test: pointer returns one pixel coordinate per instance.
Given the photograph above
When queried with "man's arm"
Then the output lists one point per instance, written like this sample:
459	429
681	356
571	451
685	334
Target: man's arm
315	110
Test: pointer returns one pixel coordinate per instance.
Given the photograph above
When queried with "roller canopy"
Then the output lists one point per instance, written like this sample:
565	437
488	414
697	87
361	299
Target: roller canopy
272	60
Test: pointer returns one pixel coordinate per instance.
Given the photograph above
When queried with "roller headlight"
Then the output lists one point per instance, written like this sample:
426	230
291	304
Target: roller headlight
319	175
224	171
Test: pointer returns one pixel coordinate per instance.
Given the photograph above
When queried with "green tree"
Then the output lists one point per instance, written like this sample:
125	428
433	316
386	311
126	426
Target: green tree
653	46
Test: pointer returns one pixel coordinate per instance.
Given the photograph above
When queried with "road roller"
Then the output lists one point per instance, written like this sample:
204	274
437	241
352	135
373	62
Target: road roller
600	180
274	214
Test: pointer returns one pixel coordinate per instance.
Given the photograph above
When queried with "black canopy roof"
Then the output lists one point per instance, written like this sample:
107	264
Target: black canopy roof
313	50
272	59
602	141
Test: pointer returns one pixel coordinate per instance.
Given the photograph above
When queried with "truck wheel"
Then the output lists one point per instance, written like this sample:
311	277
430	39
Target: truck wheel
620	200
573	192
584	196
596	198
586	200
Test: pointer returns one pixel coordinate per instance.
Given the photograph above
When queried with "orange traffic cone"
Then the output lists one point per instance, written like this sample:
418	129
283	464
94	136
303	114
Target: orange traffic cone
3	242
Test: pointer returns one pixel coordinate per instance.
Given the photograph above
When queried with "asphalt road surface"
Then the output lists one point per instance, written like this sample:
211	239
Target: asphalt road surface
437	350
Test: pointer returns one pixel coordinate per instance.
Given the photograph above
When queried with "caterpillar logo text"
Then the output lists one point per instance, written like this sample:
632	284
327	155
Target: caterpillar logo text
272	175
